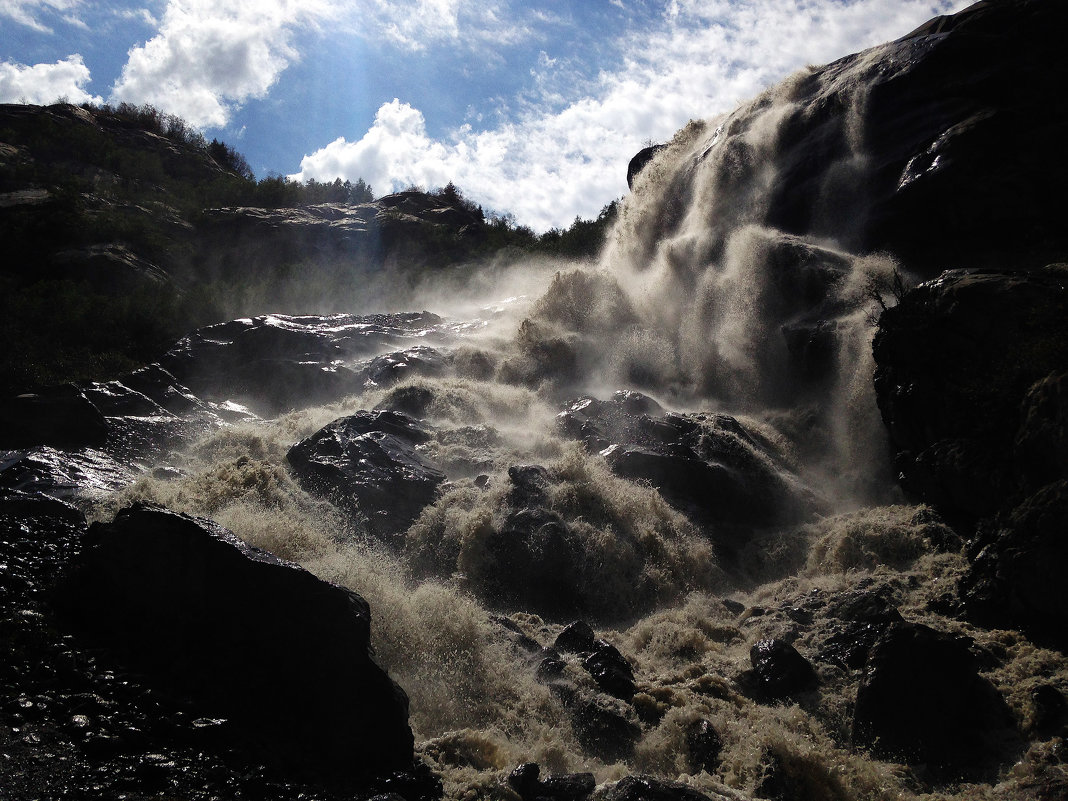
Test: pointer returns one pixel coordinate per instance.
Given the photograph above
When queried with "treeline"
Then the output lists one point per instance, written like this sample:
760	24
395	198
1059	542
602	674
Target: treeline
582	239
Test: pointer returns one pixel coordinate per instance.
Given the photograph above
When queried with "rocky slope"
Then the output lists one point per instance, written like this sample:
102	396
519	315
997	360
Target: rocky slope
698	590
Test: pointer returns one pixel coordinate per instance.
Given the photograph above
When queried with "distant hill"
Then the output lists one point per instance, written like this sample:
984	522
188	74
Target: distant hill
123	228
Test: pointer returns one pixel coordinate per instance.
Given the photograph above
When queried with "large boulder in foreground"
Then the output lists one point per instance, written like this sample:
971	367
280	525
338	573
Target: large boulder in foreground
369	464
282	654
922	701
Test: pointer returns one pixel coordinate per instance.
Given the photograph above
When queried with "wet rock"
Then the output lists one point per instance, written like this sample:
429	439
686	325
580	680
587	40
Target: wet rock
703	745
603	728
1018	564
550	665
533	564
709	466
525	779
966	382
648	788
576	638
369	463
640	160
778	672
391	368
60	416
278	362
280	653
565	787
1049	710
922	701
529	485
610	670
924	155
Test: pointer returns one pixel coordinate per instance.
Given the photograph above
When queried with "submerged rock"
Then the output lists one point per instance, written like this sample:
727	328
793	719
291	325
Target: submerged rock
369	464
283	655
778	671
922	701
710	466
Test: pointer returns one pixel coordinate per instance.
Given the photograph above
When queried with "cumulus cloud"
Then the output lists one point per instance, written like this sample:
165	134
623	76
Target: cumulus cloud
213	55
46	83
30	12
558	160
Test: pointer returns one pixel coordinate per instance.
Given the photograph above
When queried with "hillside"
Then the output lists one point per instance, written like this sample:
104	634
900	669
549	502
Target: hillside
124	229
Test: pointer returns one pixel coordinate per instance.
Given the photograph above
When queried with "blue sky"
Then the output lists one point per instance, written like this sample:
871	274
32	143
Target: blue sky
532	108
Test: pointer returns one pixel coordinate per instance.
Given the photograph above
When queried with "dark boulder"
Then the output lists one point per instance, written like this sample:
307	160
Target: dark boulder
576	638
60	416
703	745
1019	561
638	162
966	382
390	368
369	463
611	670
526	781
860	618
778	671
603	727
922	701
278	362
280	653
709	466
648	788
532	563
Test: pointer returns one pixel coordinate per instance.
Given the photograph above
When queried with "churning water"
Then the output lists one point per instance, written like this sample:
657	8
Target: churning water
699	302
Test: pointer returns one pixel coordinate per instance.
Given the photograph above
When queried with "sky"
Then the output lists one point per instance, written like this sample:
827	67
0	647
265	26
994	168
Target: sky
531	107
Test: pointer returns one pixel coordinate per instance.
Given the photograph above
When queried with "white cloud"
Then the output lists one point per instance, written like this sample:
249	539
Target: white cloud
416	25
42	84
551	164
29	12
213	55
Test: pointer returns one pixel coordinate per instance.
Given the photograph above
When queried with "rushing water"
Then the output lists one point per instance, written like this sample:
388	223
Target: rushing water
700	303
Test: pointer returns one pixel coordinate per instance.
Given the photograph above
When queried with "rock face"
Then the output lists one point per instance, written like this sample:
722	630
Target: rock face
369	464
922	700
965	380
279	362
709	466
59	415
970	380
778	671
1018	564
281	653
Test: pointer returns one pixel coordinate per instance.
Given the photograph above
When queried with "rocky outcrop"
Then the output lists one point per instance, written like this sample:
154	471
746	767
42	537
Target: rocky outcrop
722	474
778	671
965	381
282	654
1018	563
650	788
278	362
969	379
60	415
922	700
369	464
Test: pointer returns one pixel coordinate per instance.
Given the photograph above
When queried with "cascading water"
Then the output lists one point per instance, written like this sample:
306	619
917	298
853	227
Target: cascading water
717	293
